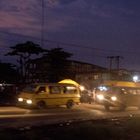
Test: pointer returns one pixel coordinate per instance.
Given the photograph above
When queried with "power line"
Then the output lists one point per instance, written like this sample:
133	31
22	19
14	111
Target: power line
71	44
55	42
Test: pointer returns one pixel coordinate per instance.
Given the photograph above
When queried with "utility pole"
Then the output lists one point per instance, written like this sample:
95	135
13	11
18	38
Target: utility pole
118	61
42	24
115	59
110	61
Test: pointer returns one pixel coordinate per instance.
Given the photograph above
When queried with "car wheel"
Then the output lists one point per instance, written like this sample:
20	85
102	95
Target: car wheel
69	104
41	105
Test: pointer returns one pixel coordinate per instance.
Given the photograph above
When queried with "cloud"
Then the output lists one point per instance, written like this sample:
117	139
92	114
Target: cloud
20	15
98	23
26	14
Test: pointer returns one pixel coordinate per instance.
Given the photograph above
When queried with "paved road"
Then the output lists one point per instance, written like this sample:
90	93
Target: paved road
19	117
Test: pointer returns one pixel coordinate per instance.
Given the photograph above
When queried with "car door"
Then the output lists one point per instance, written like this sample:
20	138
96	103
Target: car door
55	95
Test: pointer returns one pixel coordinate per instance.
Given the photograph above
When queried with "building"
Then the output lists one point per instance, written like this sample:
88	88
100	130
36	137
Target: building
93	79
37	70
86	74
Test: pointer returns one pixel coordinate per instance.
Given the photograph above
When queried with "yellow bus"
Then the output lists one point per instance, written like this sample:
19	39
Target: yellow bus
118	94
50	94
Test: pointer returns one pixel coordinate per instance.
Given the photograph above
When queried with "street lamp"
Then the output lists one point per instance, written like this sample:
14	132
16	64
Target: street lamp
135	78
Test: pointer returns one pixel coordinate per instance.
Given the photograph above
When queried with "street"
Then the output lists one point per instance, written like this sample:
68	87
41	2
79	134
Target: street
20	117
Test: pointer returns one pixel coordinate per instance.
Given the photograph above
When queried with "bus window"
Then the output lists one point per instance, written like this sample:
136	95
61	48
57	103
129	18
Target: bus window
41	89
54	90
69	90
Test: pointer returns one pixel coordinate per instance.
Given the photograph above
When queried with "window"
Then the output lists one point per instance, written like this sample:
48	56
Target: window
69	90
42	89
54	90
30	88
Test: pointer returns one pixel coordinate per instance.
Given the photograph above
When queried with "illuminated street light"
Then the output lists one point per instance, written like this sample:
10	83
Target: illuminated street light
135	78
82	88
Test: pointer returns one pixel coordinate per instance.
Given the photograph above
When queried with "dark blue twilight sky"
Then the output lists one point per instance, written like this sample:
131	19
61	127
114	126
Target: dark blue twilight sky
101	28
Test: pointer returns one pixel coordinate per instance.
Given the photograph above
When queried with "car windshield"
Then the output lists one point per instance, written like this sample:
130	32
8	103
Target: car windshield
108	89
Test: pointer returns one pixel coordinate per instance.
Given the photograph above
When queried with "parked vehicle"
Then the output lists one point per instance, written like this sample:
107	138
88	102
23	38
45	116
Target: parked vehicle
8	94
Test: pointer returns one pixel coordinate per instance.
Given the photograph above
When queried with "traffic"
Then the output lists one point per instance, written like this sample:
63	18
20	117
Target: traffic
68	101
121	94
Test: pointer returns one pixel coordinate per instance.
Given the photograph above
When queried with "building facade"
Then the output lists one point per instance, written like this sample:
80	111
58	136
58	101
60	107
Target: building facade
38	70
86	74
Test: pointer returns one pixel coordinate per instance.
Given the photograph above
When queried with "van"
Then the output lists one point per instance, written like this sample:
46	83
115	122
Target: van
50	94
120	94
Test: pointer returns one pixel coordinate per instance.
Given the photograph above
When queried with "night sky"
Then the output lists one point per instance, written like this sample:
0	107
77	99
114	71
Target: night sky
99	28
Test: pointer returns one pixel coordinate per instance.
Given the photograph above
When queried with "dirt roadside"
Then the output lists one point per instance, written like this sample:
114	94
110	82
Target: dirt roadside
108	129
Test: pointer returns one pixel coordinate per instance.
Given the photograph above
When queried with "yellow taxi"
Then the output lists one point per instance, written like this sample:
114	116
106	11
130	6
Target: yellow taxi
49	94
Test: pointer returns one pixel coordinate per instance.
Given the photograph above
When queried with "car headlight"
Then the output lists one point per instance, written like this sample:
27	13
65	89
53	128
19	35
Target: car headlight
29	101
100	97
113	98
20	99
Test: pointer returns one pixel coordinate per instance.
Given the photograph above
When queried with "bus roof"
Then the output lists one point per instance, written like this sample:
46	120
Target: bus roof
52	84
69	81
121	84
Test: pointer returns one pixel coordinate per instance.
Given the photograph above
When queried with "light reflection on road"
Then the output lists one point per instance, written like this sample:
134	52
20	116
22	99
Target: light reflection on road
89	109
15	116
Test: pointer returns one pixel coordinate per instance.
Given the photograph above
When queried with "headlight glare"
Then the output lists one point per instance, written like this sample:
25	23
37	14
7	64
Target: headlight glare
100	97
20	99
29	101
113	98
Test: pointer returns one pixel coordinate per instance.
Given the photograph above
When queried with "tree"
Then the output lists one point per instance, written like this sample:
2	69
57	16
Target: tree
8	73
25	51
58	64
